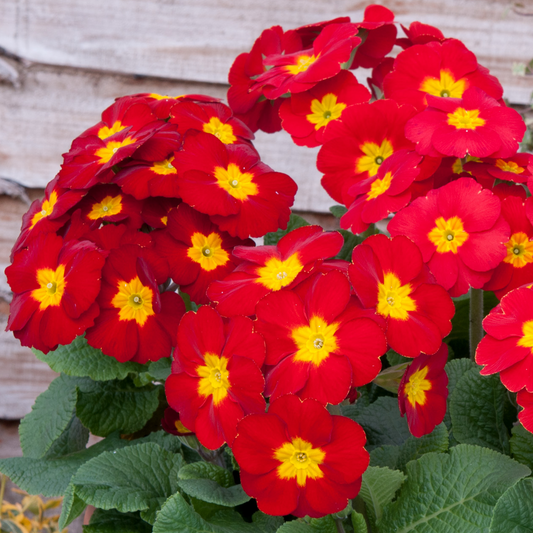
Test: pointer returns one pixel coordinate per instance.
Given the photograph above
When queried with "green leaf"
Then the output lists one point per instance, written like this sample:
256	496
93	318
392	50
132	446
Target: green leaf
385	456
115	522
323	525
108	406
378	488
477	409
514	511
170	442
296	526
81	360
204	470
71	508
522	446
395	358
350	242
338	210
294	222
137	478
72	440
51	477
8	526
451	492
454	370
49	417
157	371
177	516
359	523
265	523
383	424
209	491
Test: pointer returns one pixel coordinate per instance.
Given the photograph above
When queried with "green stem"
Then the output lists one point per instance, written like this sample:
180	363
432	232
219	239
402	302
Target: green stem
359	506
340	527
476	320
2	491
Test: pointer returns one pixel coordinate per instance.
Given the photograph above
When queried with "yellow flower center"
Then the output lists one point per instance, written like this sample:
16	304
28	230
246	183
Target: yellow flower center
214	376
465	119
164	167
51	287
374	157
134	301
519	250
394	299
509	166
238	184
111	148
104	132
277	274
446	86
416	387
448	235
323	112
109	206
46	209
299	460
315	342
302	63
379	186
221	131
207	251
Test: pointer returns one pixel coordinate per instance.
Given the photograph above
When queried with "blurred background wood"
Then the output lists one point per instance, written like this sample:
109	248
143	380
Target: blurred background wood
63	61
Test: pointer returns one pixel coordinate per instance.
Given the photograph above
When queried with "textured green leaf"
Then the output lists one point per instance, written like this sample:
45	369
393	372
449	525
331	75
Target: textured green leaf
265	523
115	522
394	358
451	492
338	210
455	370
160	370
378	487
383	424
522	446
323	525
514	511
204	470
51	477
49	417
294	222
350	242
81	360
385	456
137	478
8	526
177	516
170	442
72	440
296	526
359	523
71	508
108	406
209	491
477	409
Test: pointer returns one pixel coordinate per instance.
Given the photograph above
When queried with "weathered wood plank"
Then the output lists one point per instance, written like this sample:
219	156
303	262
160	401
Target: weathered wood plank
199	39
53	106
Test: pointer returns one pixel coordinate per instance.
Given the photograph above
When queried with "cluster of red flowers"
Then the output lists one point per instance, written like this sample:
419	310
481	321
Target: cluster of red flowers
166	193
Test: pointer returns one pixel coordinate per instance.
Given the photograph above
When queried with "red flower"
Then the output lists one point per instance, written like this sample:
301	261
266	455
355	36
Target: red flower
351	153
172	424
216	378
507	346
306	115
514	169
197	251
136	322
475	124
419	33
55	285
516	269
389	276
525	400
386	192
316	348
459	231
444	69
423	391
242	195
271	268
298	459
303	69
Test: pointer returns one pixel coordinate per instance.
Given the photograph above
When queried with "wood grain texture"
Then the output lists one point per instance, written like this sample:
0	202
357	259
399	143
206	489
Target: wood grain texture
198	40
54	105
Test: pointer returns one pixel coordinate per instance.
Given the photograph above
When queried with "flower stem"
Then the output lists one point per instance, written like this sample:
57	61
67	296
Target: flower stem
2	491
340	527
476	320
